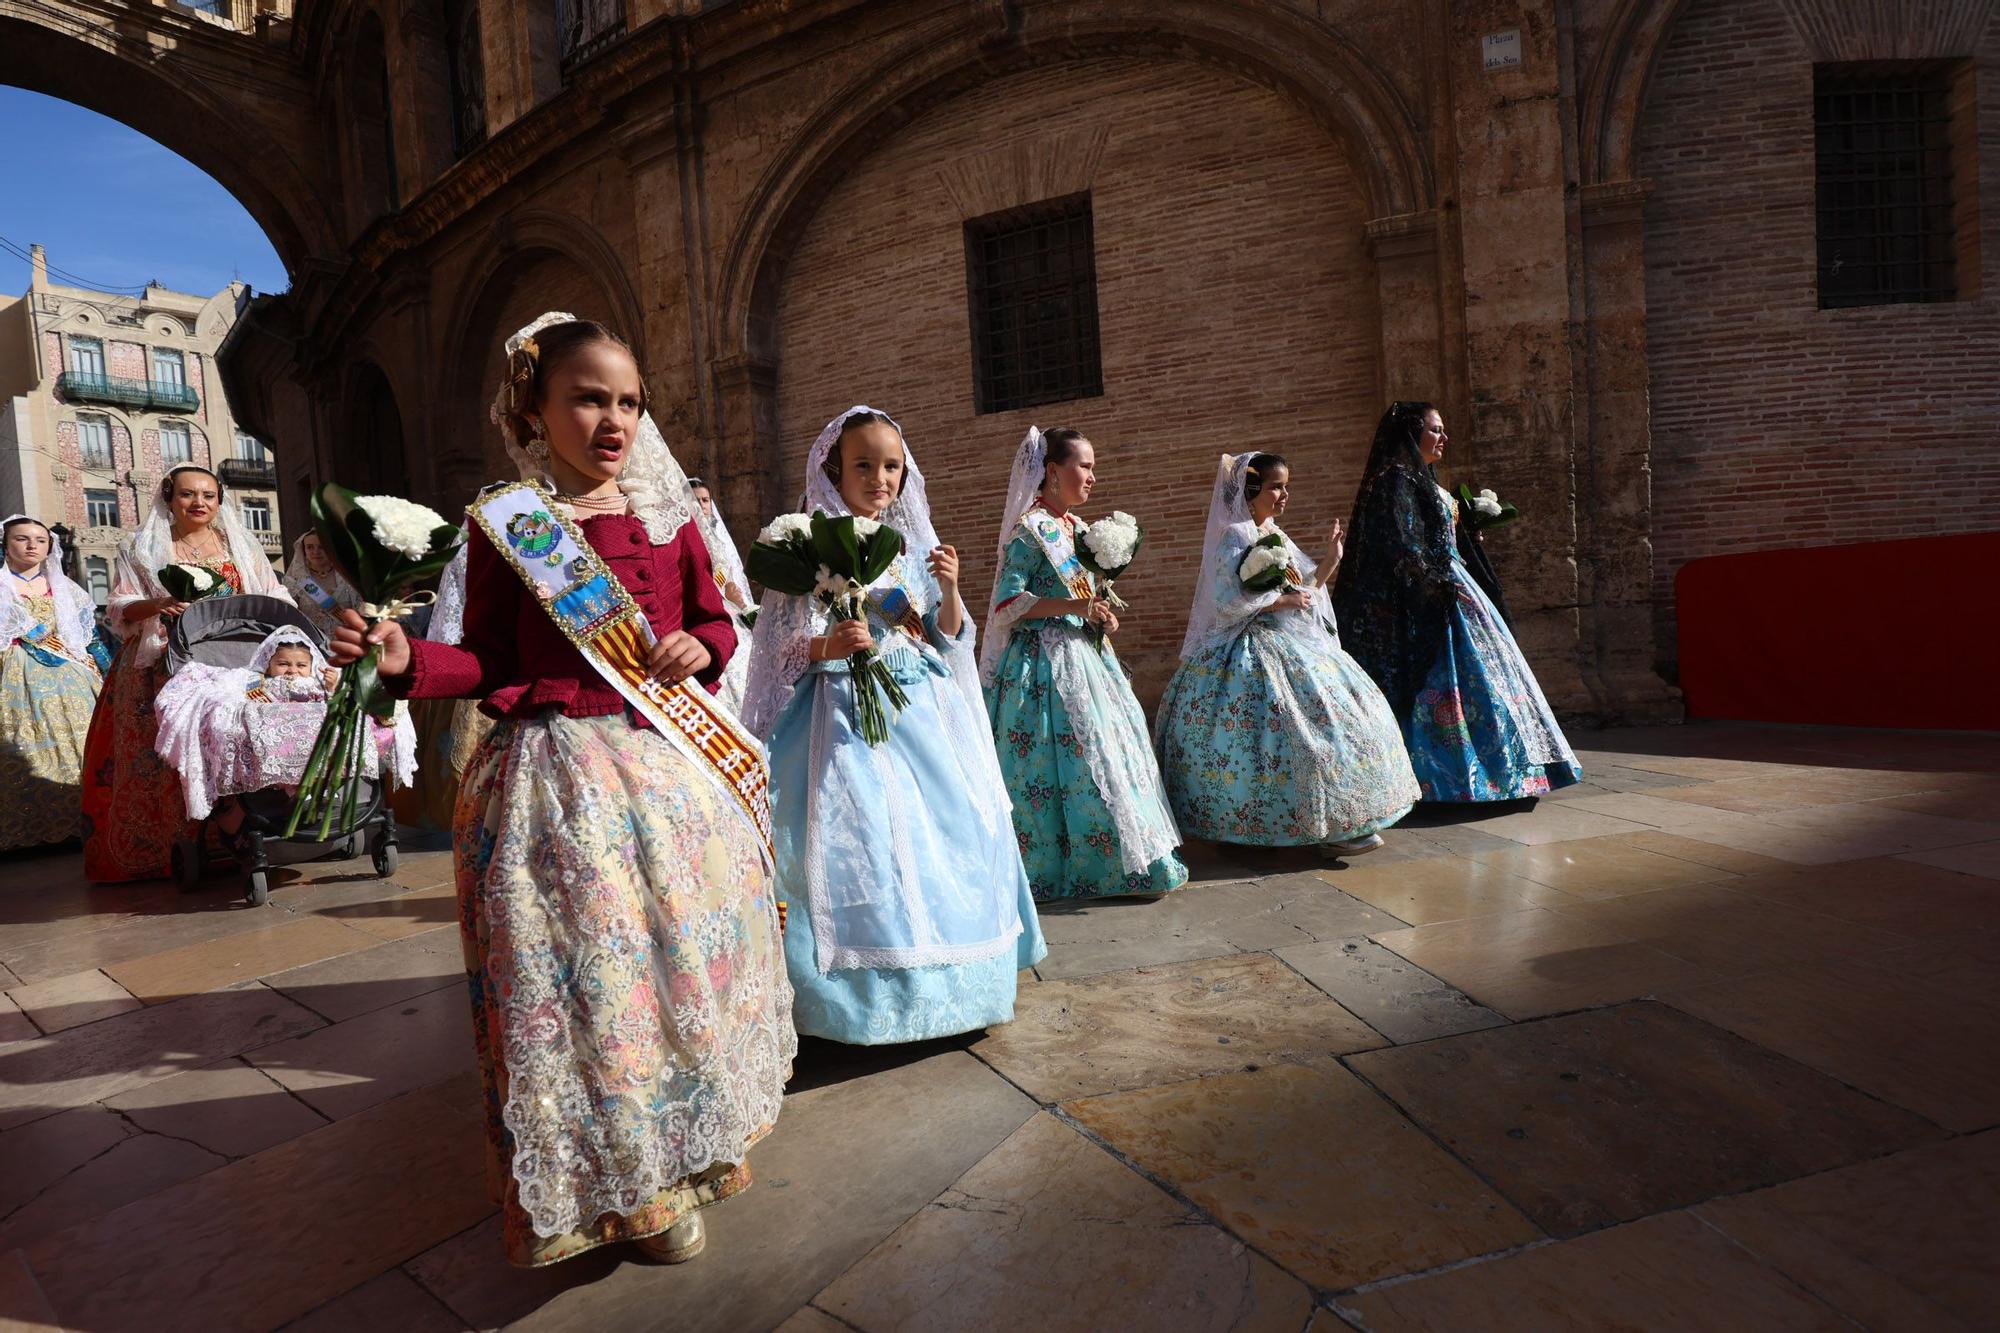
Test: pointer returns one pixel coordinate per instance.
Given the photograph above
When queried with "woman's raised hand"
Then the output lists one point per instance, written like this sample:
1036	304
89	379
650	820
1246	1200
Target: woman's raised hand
1336	544
352	638
944	567
1099	613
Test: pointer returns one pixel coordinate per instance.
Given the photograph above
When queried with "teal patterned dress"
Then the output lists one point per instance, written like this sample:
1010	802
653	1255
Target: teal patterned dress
1272	736
1052	677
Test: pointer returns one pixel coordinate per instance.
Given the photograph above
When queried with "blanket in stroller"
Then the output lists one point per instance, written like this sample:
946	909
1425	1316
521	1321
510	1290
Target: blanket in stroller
232	730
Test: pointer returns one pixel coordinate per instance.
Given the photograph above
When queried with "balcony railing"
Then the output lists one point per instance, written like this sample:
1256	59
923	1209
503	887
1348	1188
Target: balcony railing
585	28
247	472
160	395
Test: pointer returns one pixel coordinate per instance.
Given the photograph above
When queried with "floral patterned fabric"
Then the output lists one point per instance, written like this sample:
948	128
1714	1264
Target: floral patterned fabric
46	700
132	806
1480	729
629	999
1277	738
1066	831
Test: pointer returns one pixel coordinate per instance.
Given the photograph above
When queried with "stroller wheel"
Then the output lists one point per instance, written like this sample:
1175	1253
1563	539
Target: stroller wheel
186	860
259	891
385	859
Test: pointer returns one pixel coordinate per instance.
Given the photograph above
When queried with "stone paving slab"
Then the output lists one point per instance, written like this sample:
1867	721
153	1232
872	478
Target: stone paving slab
1051	1227
1384	990
1370	1198
1156	1025
1614	1114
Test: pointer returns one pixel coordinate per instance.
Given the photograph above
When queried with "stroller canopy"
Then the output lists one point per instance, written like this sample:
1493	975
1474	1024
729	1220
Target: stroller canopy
226	631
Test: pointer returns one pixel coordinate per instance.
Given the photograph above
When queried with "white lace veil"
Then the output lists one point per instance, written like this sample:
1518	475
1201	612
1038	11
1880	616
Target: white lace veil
76	614
654	484
1024	488
1221	605
151	549
285	636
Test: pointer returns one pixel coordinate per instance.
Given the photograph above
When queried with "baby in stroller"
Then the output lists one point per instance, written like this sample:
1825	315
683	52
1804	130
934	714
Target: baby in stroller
238	716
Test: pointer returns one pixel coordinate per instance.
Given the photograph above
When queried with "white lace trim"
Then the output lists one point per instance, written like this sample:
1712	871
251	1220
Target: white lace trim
1119	755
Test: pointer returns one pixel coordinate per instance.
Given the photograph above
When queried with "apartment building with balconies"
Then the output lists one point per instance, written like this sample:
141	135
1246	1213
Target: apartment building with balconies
100	394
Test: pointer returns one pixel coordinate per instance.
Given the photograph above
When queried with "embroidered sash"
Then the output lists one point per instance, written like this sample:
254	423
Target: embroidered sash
1059	545
310	586
595	612
895	606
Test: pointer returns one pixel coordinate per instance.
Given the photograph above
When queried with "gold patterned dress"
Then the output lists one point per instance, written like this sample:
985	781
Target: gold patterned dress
46	698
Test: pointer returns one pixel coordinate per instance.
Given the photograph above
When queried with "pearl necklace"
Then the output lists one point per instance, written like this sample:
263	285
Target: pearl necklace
602	504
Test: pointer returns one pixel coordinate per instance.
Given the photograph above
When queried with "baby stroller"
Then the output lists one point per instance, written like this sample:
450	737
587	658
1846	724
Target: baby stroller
225	632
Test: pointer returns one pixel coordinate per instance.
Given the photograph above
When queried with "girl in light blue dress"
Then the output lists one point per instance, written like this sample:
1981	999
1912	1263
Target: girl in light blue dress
1269	734
1089	811
908	914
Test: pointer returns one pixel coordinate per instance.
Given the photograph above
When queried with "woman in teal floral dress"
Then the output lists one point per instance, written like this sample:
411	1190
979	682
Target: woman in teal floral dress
1269	734
1089	813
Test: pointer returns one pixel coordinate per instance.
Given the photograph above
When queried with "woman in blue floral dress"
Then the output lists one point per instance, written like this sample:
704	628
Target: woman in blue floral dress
1089	812
1476	722
1269	734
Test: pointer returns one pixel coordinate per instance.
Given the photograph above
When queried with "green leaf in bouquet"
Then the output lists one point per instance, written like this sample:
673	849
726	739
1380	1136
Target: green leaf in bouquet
790	569
835	542
879	550
336	518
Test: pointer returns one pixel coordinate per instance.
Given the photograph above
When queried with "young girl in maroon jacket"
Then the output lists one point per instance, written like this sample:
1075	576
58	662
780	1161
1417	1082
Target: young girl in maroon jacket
622	939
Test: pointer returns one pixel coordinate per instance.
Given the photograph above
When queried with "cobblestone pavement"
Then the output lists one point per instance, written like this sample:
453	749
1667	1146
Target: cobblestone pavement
1707	1042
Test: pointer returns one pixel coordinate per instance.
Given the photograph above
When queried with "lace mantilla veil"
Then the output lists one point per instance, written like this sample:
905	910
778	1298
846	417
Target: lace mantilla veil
76	614
151	549
850	921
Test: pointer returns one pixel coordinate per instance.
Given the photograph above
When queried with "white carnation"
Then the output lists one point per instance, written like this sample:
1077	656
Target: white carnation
829	584
1112	543
403	526
865	527
200	577
1487	503
1263	559
784	528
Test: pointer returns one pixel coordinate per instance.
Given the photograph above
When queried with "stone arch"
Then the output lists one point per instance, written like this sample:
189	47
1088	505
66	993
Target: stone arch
1614	93
539	261
167	91
376	443
1304	59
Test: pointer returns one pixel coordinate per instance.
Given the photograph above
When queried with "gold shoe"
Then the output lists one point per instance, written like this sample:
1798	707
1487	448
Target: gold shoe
677	1244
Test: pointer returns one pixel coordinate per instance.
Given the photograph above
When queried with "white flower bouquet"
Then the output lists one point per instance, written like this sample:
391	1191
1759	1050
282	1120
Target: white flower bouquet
386	546
189	583
1107	549
834	560
1484	509
1267	565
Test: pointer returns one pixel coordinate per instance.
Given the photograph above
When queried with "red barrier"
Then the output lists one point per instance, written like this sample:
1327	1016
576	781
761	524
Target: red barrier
1879	634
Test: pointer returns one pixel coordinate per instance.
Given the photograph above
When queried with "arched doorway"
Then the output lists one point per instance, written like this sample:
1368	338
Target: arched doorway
372	457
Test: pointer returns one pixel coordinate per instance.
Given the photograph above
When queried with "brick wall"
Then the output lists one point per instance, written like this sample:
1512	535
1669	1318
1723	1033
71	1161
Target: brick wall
1777	424
1235	299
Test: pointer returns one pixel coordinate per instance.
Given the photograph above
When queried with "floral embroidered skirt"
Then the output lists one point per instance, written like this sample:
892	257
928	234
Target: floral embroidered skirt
1481	730
629	997
1063	821
132	806
45	707
1277	738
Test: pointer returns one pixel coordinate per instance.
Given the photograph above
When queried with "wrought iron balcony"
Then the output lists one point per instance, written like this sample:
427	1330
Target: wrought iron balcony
160	395
247	472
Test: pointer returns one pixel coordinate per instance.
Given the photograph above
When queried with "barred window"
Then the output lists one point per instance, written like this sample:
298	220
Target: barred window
1887	228
1032	279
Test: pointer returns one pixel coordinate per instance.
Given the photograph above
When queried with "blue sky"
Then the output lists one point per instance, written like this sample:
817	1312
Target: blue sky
114	207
